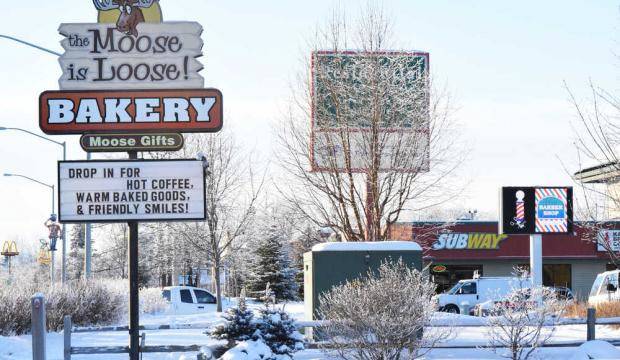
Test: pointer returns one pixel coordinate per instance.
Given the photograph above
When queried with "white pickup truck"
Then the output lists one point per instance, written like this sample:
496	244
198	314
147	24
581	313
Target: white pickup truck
189	300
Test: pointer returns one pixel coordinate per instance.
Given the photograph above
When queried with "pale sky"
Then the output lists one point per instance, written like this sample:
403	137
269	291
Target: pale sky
504	63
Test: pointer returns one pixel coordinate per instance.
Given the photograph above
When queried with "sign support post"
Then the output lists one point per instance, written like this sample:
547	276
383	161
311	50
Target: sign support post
536	260
134	302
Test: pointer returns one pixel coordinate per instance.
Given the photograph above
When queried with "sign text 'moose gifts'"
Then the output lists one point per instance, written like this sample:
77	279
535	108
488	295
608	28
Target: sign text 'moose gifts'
131	190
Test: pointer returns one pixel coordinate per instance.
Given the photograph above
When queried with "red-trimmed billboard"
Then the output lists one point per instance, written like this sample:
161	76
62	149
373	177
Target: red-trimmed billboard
366	103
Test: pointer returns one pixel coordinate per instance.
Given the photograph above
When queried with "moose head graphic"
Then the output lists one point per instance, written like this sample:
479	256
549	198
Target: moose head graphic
131	13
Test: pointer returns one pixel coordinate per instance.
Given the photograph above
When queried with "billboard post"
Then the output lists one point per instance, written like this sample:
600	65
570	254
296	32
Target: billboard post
536	260
130	89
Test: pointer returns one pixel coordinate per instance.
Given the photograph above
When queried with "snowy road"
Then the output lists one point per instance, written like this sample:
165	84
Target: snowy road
19	348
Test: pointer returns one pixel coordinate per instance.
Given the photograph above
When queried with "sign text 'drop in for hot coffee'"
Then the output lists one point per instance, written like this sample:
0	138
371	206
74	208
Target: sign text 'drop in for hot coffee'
181	110
134	190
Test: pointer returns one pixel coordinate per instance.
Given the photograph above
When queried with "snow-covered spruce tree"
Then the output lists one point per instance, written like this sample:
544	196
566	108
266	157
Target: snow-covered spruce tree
308	237
76	253
238	326
272	266
381	316
277	329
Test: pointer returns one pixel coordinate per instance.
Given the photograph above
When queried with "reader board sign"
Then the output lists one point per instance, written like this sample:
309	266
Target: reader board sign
126	111
131	190
608	240
536	210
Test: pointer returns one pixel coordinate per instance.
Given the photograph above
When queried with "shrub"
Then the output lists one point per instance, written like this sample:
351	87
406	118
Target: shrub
15	310
238	325
152	301
381	315
89	303
277	329
603	310
524	322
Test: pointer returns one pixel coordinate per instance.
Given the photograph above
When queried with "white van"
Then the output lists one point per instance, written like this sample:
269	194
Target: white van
605	288
468	293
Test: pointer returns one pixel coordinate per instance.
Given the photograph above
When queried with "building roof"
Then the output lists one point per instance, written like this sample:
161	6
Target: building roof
603	173
368	246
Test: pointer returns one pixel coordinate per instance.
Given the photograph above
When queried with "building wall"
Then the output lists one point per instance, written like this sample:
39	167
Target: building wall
583	272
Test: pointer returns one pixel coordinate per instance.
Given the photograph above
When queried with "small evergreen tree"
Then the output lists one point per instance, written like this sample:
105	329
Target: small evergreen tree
76	252
277	329
238	325
272	266
303	243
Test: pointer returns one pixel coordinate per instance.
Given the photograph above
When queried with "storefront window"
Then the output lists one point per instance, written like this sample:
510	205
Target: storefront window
452	274
555	275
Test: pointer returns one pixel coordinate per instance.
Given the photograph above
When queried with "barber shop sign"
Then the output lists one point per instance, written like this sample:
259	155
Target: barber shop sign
536	210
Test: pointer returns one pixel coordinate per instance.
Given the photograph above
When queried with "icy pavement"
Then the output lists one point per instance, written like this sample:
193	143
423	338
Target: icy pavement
19	347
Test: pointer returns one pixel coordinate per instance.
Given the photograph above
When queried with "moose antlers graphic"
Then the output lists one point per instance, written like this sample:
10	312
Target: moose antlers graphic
131	13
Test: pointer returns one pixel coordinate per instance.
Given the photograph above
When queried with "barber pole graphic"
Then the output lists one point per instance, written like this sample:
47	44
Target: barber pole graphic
519	219
551	210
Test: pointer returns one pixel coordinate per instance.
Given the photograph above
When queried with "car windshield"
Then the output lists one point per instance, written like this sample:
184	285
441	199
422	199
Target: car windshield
455	288
597	284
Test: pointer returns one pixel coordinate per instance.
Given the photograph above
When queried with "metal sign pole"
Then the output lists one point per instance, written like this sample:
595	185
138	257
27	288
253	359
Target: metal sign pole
536	259
536	264
87	241
134	315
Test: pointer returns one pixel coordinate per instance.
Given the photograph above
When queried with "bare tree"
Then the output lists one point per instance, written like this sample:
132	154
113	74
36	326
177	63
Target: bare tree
382	316
597	131
363	131
231	196
112	259
524	322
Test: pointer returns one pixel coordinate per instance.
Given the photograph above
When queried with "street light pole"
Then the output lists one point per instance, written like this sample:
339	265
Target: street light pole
64	157
63	276
52	187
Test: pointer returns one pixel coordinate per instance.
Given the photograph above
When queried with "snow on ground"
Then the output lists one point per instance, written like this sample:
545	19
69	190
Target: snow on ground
19	347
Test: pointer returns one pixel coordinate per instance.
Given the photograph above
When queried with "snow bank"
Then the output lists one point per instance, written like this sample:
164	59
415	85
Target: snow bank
596	349
368	246
248	350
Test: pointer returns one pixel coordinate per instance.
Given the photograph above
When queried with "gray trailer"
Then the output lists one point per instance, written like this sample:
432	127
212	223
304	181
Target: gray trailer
332	264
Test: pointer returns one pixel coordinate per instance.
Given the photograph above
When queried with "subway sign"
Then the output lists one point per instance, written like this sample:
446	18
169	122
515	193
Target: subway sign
469	241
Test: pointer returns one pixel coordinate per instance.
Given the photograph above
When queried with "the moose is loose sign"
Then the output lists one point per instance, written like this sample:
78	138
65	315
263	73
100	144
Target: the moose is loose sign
131	54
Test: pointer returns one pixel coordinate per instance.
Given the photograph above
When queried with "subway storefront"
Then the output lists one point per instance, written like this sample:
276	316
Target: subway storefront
457	251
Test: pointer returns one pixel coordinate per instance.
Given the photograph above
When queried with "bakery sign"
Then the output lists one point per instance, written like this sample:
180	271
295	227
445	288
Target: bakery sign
107	111
468	241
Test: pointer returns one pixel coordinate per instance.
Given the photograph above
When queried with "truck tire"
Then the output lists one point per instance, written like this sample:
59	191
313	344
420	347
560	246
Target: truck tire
452	309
